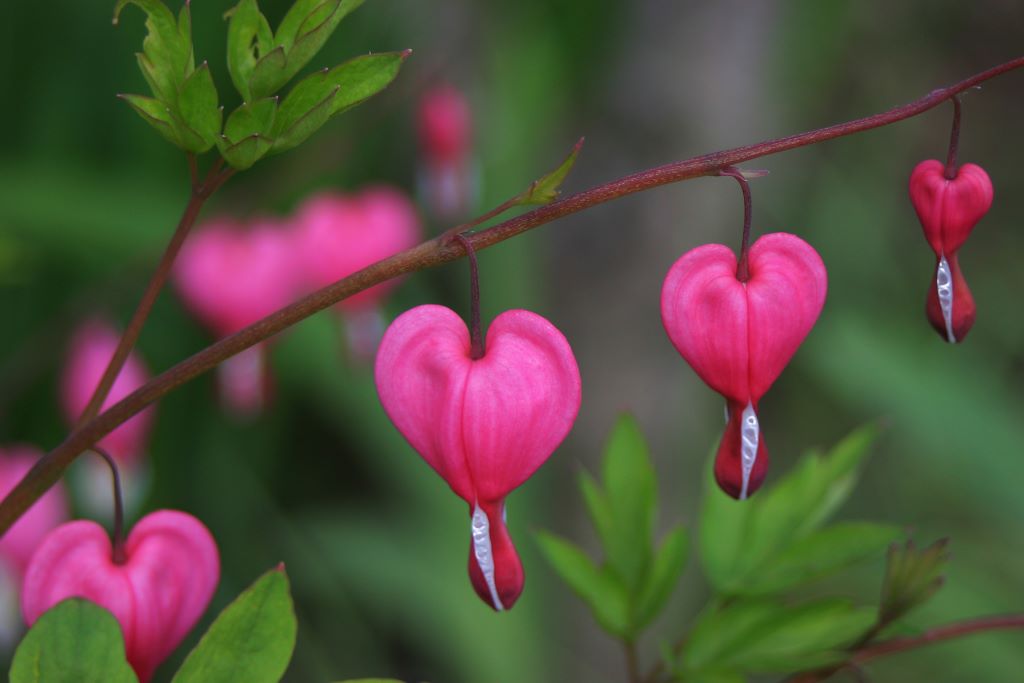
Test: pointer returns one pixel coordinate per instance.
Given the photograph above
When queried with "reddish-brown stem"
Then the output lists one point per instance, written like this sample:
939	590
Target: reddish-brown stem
742	269
427	255
201	191
954	139
938	634
476	337
118	555
632	662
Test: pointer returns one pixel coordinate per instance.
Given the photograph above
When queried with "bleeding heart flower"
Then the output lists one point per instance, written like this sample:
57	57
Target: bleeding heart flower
446	137
484	425
91	349
21	540
738	336
231	277
948	209
157	595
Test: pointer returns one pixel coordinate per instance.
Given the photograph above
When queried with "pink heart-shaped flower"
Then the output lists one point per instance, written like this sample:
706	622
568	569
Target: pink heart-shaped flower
339	235
157	595
91	348
484	425
738	336
948	210
22	539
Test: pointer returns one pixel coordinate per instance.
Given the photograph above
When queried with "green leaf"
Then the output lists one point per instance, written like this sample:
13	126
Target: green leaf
631	489
156	114
327	93
738	538
912	577
600	589
371	680
76	641
663	576
306	28
822	553
197	102
545	189
251	119
249	37
251	641
597	506
246	152
167	47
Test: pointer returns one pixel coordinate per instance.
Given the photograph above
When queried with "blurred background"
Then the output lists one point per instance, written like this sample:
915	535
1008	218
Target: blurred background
375	543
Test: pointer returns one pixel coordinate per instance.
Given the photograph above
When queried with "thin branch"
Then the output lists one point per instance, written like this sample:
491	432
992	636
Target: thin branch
632	662
434	253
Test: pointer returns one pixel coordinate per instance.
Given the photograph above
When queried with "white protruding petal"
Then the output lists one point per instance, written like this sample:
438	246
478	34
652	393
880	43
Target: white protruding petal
480	528
750	435
944	286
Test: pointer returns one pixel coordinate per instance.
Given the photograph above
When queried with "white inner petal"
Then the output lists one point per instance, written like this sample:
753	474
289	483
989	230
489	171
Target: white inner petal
480	528
944	286
750	435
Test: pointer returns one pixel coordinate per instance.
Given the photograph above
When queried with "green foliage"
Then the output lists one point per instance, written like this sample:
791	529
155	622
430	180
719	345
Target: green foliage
775	541
545	189
629	590
75	641
912	577
251	641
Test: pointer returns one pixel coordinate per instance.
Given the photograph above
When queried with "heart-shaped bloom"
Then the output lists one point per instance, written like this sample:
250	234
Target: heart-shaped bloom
22	539
484	425
157	595
948	210
230	277
445	128
738	336
92	346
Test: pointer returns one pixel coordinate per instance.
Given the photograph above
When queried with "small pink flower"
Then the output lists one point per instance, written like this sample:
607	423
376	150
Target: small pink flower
91	349
339	235
445	128
22	539
948	210
231	277
484	425
157	594
738	336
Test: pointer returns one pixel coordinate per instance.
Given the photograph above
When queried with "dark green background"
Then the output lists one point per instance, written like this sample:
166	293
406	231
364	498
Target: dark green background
375	544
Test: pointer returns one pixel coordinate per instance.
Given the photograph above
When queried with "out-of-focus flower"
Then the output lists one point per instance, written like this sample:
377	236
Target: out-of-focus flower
447	175
157	595
738	336
484	425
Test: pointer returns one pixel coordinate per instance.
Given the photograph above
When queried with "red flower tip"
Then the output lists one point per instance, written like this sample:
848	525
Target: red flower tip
494	566
741	462
950	306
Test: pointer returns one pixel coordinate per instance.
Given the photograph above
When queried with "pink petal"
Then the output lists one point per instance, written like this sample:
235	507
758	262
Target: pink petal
949	209
445	124
157	595
22	539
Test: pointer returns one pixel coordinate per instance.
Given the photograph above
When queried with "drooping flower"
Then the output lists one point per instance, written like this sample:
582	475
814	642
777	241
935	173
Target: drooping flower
484	425
92	346
948	209
21	540
230	277
738	336
445	128
157	595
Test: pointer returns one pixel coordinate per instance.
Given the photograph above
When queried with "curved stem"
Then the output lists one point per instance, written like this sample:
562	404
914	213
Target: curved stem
954	139
427	255
742	269
632	662
119	556
476	337
201	191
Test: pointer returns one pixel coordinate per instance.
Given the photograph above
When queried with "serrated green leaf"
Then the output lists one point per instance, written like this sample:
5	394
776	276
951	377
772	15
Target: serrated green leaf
821	553
249	37
246	152
327	93
912	577
167	47
256	118
265	79
76	641
197	102
661	580
155	114
545	189
631	489
738	538
251	641
307	27
602	591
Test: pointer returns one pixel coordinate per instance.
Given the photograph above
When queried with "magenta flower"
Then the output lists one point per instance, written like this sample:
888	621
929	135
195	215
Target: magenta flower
445	129
157	594
91	349
484	425
948	209
231	277
22	539
738	336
